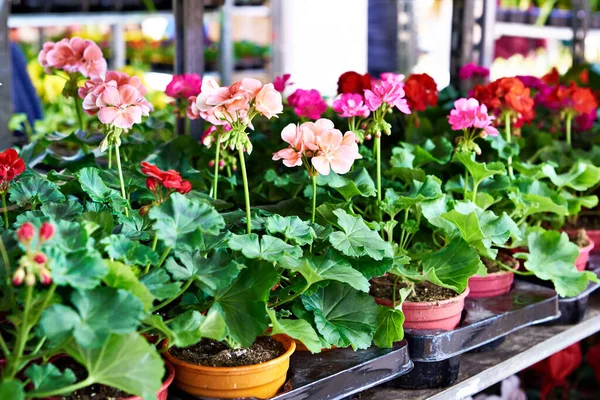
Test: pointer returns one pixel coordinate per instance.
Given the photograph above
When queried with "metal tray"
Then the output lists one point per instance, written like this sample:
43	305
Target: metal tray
335	374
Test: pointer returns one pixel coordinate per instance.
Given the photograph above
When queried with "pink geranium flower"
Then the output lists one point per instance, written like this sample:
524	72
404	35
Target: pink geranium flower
307	103
120	106
468	113
336	152
281	82
470	70
390	93
351	105
291	156
74	55
392	77
268	101
184	86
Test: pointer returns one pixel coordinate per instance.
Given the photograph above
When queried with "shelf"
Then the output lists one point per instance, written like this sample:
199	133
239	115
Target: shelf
65	19
522	349
538	32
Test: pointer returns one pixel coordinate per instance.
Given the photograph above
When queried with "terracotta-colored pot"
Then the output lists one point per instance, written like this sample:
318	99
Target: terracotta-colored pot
584	256
491	285
260	380
435	315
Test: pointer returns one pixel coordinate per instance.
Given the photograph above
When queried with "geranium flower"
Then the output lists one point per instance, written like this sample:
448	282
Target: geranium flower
268	101
281	82
74	55
421	91
353	82
93	88
34	263
581	100
307	103
11	166
336	152
471	70
552	77
120	107
169	179
468	113
392	77
291	156
507	95
387	92
350	105
184	86
556	368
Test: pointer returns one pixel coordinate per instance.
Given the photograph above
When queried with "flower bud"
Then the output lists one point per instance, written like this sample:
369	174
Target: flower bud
145	209
483	134
221	163
211	163
40	258
29	279
26	232
45	277
18	277
151	184
46	231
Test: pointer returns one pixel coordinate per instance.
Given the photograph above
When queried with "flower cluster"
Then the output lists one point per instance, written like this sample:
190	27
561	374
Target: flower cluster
162	184
319	146
307	103
473	119
184	86
392	77
11	166
74	55
353	82
507	95
472	70
389	93
421	92
235	104
34	263
350	105
118	99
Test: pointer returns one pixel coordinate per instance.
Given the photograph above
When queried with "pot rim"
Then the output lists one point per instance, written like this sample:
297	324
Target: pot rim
285	340
491	275
439	304
589	247
165	385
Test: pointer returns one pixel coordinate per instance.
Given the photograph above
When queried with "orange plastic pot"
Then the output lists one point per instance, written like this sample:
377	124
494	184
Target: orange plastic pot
491	285
260	380
435	315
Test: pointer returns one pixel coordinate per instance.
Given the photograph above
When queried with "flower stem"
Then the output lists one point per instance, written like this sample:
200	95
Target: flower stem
5	210
78	111
508	140
6	261
123	193
377	145
314	199
164	256
246	190
475	186
506	267
109	156
466	184
22	335
216	177
568	127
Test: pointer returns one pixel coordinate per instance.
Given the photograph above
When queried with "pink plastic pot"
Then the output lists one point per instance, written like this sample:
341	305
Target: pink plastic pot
436	315
594	236
584	256
491	285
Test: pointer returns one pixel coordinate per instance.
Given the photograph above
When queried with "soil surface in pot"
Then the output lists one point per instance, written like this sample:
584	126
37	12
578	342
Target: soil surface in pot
383	288
492	266
93	392
580	238
213	353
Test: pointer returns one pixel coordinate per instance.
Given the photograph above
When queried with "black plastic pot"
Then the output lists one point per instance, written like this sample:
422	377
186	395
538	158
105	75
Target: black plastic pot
486	322
336	374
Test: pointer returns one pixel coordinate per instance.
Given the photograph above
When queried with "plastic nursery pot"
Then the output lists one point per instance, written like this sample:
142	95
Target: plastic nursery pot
260	380
584	256
594	236
491	285
434	315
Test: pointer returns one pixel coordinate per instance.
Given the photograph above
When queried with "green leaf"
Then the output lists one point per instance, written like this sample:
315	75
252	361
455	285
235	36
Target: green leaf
581	176
389	327
97	313
183	331
12	389
370	268
552	257
433	212
357	240
119	247
160	285
576	203
243	304
135	226
331	266
451	266
82	269
270	248
35	189
120	276
217	272
180	222
47	377
293	228
298	329
62	211
419	192
479	171
355	183
125	362
343	316
93	185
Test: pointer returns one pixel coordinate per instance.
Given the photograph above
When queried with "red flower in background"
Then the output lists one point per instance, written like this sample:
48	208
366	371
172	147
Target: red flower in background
593	359
507	95
169	179
11	166
556	368
581	100
353	82
420	91
552	77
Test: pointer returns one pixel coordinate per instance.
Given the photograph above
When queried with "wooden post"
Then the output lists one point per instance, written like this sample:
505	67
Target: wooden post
6	137
189	47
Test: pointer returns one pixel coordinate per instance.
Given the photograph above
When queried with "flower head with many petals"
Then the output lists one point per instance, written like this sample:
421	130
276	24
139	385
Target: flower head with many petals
350	105
74	55
390	93
184	86
11	166
307	103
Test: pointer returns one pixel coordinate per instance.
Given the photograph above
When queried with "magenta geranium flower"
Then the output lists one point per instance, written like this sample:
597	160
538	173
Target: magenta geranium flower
281	82
184	86
307	103
391	93
468	113
470	70
351	105
392	77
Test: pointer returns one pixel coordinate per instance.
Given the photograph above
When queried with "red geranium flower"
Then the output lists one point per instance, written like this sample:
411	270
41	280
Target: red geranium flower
581	100
507	95
353	82
420	91
11	166
169	179
556	368
552	77
593	359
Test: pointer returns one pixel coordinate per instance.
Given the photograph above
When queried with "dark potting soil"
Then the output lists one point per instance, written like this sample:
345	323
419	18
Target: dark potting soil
213	353
589	222
580	238
383	288
492	266
93	392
